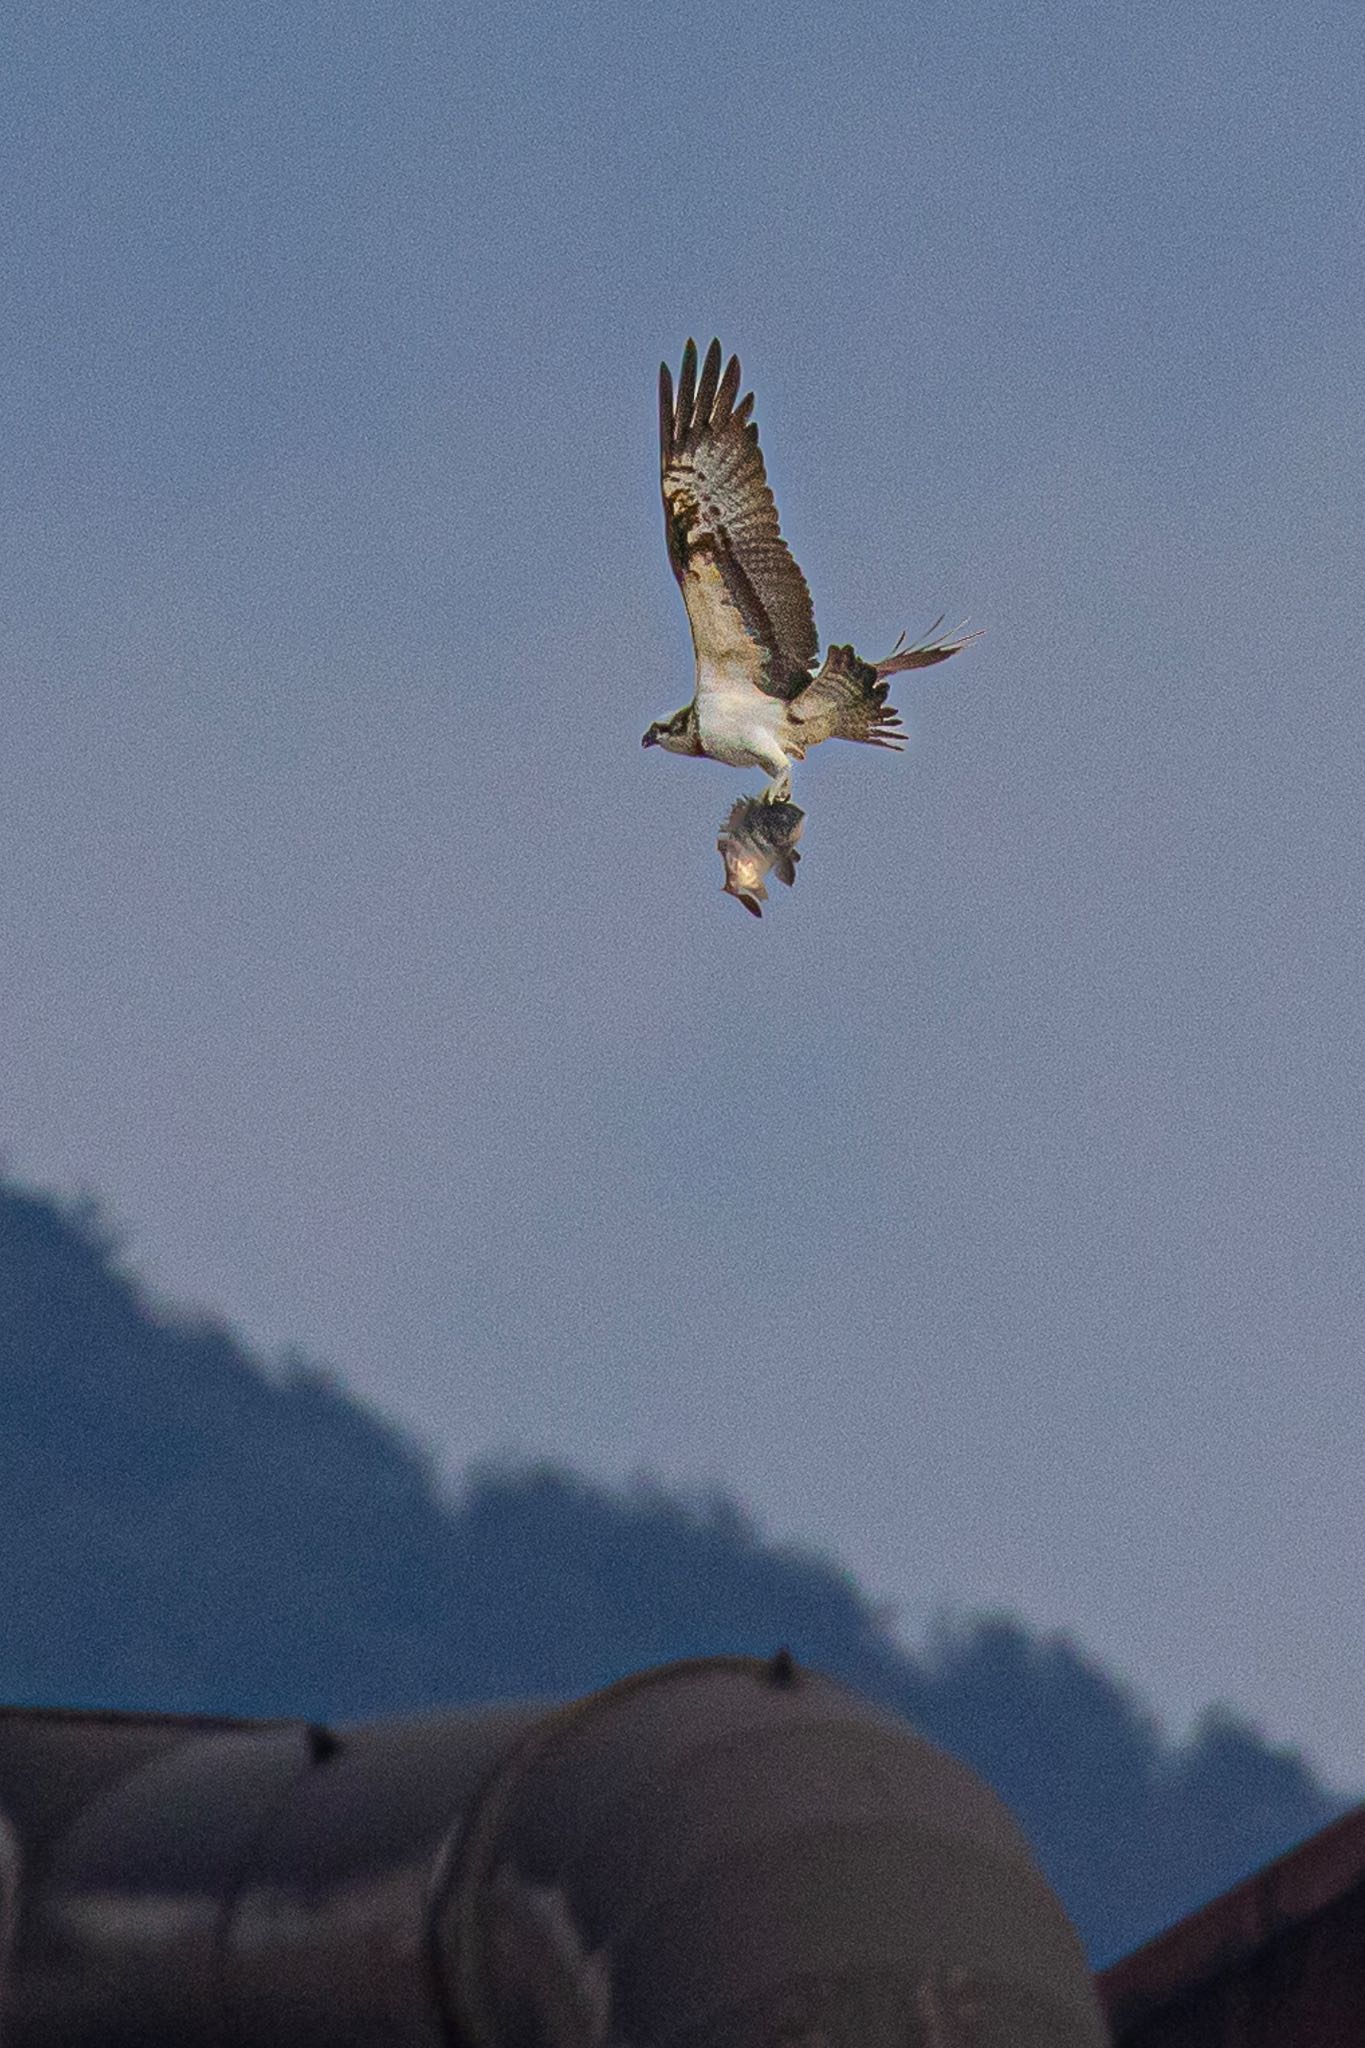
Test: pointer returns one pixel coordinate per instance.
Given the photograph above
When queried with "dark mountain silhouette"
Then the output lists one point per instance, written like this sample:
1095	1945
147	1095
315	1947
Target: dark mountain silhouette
186	1528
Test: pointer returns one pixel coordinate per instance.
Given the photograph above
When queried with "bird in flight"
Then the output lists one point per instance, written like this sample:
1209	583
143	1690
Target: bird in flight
758	702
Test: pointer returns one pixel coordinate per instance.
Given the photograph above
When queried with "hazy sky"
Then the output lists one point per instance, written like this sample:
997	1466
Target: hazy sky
991	1213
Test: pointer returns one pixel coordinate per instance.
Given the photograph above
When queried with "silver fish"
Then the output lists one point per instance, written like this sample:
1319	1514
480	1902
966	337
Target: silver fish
756	840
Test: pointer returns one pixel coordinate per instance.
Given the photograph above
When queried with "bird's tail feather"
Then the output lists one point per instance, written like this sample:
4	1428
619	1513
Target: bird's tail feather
925	652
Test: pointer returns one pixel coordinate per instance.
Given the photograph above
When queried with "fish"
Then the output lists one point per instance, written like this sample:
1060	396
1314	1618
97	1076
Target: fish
758	839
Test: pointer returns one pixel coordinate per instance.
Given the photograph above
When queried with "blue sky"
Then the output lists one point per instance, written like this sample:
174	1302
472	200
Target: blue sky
991	1213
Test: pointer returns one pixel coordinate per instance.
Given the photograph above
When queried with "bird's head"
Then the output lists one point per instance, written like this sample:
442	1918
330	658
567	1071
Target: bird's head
677	734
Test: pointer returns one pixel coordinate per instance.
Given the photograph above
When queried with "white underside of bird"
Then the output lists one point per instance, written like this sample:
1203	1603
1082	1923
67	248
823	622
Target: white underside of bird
739	726
736	723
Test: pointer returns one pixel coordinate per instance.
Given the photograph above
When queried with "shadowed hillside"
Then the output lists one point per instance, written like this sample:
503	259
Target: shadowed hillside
186	1528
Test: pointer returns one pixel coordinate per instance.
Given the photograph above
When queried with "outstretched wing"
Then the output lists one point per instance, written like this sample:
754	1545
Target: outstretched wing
747	601
847	700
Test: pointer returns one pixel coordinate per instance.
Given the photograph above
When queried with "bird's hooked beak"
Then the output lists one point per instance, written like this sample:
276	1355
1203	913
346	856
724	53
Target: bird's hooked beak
651	738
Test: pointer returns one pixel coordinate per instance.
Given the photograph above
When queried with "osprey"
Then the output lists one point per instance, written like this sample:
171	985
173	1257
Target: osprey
757	702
